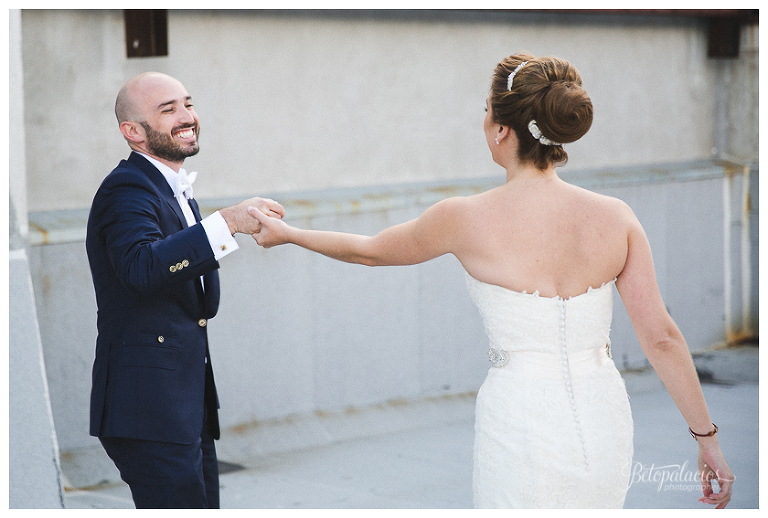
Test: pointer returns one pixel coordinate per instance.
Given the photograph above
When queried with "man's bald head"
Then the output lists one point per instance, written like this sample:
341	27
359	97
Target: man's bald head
133	96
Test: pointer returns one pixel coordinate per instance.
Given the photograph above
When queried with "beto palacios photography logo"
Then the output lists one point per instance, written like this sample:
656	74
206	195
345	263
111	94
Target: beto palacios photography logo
670	477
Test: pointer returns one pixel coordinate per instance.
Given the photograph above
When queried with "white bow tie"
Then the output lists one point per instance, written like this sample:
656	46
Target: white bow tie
184	183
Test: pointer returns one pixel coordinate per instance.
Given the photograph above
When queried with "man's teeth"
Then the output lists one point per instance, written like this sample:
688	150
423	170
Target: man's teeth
186	133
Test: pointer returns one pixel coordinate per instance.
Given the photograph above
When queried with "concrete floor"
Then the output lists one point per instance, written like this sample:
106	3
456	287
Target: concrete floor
429	465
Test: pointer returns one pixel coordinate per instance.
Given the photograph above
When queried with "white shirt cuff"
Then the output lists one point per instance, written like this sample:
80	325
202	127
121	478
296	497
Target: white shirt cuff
217	230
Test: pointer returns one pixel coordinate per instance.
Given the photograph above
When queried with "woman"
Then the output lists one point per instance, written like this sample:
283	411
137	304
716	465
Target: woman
553	423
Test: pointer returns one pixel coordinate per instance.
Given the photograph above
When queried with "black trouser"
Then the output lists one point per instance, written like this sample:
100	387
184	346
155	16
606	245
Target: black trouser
166	475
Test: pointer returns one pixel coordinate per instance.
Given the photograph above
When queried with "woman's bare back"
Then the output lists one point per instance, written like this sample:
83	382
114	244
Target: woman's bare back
542	234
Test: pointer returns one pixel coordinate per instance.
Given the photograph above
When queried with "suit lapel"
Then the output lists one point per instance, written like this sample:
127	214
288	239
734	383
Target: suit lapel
195	209
210	279
157	178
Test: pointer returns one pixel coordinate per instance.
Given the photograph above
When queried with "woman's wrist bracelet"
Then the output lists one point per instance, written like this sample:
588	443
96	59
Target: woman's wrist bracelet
697	435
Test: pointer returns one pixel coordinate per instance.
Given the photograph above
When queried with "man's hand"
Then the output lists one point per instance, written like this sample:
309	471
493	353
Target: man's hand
239	220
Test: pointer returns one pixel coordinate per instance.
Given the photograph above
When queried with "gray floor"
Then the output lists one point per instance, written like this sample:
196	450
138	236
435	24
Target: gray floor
430	466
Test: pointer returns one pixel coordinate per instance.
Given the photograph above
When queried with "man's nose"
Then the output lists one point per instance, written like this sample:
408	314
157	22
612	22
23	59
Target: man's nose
188	115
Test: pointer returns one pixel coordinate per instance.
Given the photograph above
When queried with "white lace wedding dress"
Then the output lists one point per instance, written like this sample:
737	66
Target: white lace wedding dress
553	427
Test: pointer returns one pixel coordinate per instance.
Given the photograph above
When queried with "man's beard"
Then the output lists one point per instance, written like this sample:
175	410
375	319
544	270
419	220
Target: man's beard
162	145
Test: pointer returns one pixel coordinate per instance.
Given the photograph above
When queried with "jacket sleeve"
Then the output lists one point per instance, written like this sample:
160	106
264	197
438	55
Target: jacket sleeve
144	239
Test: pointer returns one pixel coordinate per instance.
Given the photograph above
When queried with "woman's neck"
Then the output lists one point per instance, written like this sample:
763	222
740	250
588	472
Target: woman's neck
527	171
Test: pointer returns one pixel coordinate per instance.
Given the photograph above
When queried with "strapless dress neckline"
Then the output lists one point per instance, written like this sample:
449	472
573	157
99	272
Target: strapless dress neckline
536	294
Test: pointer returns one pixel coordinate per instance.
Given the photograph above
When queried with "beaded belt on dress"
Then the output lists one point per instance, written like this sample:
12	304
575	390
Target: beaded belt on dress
552	365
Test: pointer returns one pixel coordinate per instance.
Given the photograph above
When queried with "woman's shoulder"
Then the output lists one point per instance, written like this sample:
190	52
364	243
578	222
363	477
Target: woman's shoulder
459	204
610	204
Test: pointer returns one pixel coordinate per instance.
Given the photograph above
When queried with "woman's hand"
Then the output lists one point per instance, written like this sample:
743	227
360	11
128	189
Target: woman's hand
712	466
239	221
272	231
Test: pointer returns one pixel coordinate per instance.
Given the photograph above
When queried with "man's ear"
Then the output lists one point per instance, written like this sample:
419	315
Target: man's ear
133	132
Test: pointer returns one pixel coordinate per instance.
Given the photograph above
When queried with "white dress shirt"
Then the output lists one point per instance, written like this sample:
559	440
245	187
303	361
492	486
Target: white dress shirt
221	241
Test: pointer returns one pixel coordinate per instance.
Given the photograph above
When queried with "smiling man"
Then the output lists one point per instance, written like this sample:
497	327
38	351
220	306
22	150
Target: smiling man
154	265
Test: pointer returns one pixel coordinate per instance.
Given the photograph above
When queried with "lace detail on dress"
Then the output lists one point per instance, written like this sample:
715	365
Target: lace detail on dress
553	424
535	329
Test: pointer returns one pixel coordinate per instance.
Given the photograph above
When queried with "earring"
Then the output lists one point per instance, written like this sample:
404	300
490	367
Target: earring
497	141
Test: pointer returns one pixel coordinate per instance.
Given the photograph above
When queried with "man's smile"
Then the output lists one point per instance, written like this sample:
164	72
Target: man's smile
185	133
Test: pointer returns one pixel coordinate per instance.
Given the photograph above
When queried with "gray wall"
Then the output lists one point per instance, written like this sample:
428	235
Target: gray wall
33	450
356	122
293	101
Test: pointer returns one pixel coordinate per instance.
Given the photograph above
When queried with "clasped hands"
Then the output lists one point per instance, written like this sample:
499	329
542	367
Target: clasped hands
240	221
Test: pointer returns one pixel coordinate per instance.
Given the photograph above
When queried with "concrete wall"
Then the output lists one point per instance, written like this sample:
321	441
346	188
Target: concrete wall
736	94
312	101
33	451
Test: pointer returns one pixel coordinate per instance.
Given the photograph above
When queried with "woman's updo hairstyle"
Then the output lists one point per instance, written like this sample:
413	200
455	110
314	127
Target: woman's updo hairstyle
546	90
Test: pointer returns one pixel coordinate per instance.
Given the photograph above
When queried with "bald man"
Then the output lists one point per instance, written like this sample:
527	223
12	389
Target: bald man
154	266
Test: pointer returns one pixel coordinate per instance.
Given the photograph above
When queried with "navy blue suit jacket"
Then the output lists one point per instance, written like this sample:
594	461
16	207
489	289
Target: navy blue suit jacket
152	375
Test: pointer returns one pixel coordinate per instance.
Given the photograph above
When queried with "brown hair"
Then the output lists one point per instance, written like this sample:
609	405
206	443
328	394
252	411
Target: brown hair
547	90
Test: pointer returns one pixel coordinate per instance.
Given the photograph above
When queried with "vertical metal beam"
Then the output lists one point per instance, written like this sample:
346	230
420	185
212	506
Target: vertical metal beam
746	256
728	278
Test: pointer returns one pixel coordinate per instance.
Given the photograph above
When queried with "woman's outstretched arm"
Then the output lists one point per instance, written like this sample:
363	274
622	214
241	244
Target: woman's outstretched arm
431	235
667	351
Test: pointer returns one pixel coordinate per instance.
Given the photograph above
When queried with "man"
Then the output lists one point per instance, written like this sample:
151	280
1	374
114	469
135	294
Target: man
153	261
